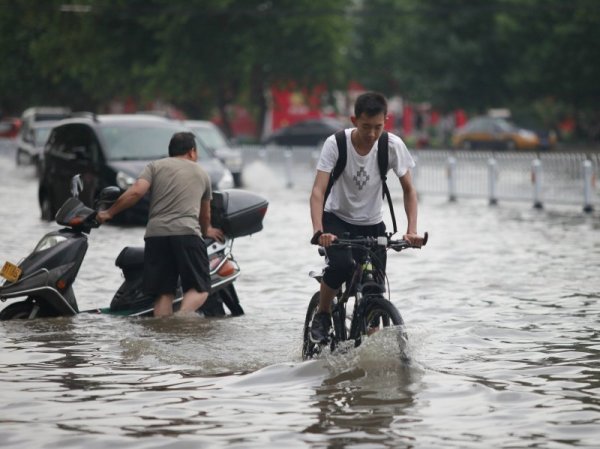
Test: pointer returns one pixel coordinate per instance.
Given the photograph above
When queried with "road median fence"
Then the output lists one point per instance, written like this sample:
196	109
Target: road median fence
541	178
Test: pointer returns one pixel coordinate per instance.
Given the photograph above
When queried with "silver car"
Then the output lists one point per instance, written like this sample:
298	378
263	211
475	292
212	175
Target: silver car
215	140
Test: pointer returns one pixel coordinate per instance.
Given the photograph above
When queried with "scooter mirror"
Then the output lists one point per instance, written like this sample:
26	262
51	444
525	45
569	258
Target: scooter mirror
76	185
108	195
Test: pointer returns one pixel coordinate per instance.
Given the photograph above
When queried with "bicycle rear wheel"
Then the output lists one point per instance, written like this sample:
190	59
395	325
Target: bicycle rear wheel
310	349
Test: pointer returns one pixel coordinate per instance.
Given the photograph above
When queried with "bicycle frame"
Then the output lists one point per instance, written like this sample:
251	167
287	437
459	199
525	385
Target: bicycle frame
368	286
362	286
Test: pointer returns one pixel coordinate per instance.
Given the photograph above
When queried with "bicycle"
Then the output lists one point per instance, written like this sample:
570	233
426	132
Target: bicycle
372	310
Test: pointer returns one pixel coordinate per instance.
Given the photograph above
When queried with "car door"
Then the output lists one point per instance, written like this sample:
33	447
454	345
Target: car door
488	135
73	149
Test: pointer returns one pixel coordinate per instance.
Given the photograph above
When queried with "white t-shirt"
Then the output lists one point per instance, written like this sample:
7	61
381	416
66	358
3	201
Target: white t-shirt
356	196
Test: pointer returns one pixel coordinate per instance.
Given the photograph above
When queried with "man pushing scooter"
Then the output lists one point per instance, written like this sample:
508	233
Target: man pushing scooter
178	218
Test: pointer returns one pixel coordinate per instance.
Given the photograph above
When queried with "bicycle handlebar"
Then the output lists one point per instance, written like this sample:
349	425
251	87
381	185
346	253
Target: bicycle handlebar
373	242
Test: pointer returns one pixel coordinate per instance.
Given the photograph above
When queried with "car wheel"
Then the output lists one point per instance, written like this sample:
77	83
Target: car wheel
467	146
47	211
22	157
237	179
510	145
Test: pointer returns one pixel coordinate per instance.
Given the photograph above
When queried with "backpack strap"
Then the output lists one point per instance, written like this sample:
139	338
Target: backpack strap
340	139
383	161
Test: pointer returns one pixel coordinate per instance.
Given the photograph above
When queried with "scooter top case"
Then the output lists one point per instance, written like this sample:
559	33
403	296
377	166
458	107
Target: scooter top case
238	212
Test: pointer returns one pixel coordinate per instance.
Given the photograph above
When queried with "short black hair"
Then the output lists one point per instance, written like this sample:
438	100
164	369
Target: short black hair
181	143
370	103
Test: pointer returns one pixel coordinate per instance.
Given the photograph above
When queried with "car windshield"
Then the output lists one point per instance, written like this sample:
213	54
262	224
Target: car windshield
141	142
41	135
210	136
506	126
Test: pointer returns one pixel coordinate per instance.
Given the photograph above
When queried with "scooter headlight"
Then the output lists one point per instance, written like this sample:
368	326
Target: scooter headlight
48	242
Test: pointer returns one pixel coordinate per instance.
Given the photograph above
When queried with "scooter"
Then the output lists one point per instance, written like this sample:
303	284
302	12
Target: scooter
45	277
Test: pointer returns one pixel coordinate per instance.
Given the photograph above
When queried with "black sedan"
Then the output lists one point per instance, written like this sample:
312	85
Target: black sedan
111	150
307	133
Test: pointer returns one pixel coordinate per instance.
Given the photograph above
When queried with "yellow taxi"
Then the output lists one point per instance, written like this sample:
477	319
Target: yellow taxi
499	134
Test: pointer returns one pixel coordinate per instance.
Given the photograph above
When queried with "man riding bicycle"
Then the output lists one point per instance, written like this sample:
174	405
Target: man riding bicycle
353	204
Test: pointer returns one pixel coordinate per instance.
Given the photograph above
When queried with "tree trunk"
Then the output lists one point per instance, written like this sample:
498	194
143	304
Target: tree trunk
222	102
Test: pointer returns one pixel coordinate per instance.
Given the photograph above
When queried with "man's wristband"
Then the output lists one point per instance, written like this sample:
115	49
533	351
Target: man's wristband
315	237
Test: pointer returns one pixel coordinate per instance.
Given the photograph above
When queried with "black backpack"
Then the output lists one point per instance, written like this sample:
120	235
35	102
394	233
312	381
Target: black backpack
382	162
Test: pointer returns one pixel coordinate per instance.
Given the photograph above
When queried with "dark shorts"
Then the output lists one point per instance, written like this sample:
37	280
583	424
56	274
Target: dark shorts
340	261
167	259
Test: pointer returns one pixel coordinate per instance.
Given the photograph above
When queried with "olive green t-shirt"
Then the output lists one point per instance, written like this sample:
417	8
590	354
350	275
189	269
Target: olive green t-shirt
177	186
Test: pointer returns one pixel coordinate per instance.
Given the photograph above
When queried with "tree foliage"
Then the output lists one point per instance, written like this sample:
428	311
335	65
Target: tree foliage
478	54
204	55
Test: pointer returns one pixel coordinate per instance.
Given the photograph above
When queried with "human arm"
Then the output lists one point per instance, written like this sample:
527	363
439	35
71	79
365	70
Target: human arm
317	197
410	208
205	226
130	197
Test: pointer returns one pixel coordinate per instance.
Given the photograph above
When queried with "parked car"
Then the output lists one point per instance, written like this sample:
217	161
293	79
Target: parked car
307	133
500	134
215	140
111	150
9	127
28	143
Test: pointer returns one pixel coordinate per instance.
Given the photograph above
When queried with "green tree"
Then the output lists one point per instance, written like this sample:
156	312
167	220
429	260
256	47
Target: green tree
25	77
529	55
223	51
443	51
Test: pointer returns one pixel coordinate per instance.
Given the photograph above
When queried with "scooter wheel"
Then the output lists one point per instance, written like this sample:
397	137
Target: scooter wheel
17	311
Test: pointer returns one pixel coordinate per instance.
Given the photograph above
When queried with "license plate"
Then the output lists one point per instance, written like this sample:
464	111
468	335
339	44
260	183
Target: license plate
11	272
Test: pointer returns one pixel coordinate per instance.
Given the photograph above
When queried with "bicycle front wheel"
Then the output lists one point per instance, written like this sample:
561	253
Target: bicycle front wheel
380	313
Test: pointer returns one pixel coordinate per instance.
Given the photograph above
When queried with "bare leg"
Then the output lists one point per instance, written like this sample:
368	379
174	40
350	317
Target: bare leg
326	296
192	300
163	306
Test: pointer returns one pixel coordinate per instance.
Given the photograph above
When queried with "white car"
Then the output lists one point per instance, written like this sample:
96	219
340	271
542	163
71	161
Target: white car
214	139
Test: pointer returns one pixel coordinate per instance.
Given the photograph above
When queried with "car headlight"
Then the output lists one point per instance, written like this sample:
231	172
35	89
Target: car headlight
529	135
226	181
48	242
234	163
124	181
232	159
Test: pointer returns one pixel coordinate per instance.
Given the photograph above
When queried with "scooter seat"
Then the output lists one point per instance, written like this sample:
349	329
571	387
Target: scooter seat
130	257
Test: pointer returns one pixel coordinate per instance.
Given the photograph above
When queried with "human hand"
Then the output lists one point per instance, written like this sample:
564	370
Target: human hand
103	216
215	234
415	240
323	239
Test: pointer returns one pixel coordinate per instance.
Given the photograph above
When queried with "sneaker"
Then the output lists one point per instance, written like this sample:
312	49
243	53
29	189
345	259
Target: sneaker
319	329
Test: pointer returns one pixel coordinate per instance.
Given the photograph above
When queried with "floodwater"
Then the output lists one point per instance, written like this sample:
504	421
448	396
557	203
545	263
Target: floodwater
502	313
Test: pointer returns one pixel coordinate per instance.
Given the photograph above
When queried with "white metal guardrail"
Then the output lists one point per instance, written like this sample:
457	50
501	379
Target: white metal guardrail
560	178
541	178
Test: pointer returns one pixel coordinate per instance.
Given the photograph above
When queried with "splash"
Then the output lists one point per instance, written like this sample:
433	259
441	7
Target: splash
259	176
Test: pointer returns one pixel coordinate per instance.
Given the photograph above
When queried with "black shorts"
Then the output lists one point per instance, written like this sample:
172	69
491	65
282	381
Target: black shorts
340	261
166	259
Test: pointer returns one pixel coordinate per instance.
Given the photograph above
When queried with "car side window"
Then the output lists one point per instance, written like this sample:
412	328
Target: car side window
56	143
74	142
488	126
